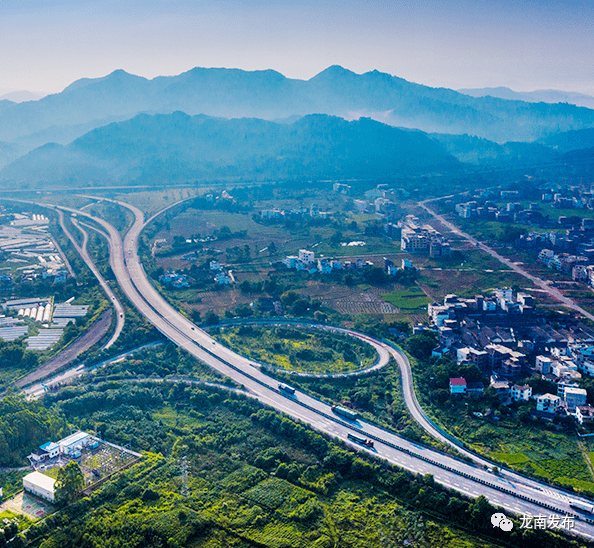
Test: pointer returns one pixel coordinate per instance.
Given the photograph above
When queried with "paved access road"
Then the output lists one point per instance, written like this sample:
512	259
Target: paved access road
92	336
554	292
510	491
119	309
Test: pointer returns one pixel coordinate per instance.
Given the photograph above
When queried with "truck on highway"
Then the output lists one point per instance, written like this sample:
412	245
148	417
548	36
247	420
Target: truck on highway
286	388
347	413
583	506
359	439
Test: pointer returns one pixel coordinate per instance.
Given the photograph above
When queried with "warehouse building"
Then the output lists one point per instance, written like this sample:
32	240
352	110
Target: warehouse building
40	485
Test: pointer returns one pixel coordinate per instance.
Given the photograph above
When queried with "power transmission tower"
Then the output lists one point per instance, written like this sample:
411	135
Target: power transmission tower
184	473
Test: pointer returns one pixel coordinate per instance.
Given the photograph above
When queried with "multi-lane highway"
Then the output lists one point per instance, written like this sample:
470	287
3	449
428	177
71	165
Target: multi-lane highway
509	490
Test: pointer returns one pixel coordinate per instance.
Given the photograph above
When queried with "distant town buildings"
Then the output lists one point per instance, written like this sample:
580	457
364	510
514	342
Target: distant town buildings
417	238
306	261
504	337
341	188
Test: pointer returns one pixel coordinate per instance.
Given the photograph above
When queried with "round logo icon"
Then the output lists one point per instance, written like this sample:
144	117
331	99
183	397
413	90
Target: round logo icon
506	524
496	519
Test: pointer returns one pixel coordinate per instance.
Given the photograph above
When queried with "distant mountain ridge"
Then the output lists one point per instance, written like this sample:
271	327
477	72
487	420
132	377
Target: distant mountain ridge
481	152
269	95
540	95
178	147
20	96
569	141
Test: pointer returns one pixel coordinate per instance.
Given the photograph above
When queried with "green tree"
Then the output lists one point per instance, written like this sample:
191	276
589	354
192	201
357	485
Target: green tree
421	345
211	318
69	483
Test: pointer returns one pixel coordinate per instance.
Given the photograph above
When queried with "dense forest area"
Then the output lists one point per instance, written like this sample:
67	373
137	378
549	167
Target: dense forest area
23	426
254	478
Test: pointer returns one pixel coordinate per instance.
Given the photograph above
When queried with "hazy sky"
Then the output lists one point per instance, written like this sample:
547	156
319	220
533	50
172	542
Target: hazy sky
522	44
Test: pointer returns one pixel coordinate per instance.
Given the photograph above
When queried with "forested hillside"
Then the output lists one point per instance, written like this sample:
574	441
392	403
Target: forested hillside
178	147
24	426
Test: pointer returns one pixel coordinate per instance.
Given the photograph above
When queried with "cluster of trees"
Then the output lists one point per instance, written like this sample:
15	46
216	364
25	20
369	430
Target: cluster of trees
160	362
23	427
296	304
372	275
15	354
69	483
8	531
239	254
377	327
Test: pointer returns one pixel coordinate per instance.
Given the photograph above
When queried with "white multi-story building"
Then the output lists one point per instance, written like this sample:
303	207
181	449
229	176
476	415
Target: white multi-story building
548	403
520	392
224	278
574	397
546	256
543	364
291	261
587	367
306	257
324	266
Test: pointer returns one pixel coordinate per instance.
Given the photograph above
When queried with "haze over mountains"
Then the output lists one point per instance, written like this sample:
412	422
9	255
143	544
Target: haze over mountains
20	96
541	95
100	119
269	95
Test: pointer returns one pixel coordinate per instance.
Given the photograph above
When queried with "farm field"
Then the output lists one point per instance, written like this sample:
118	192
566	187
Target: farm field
408	299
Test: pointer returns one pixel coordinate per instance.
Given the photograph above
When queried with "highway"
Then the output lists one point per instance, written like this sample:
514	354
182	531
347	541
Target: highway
511	491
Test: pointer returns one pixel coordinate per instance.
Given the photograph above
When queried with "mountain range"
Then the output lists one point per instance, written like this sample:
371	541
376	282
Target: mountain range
228	123
20	96
230	93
